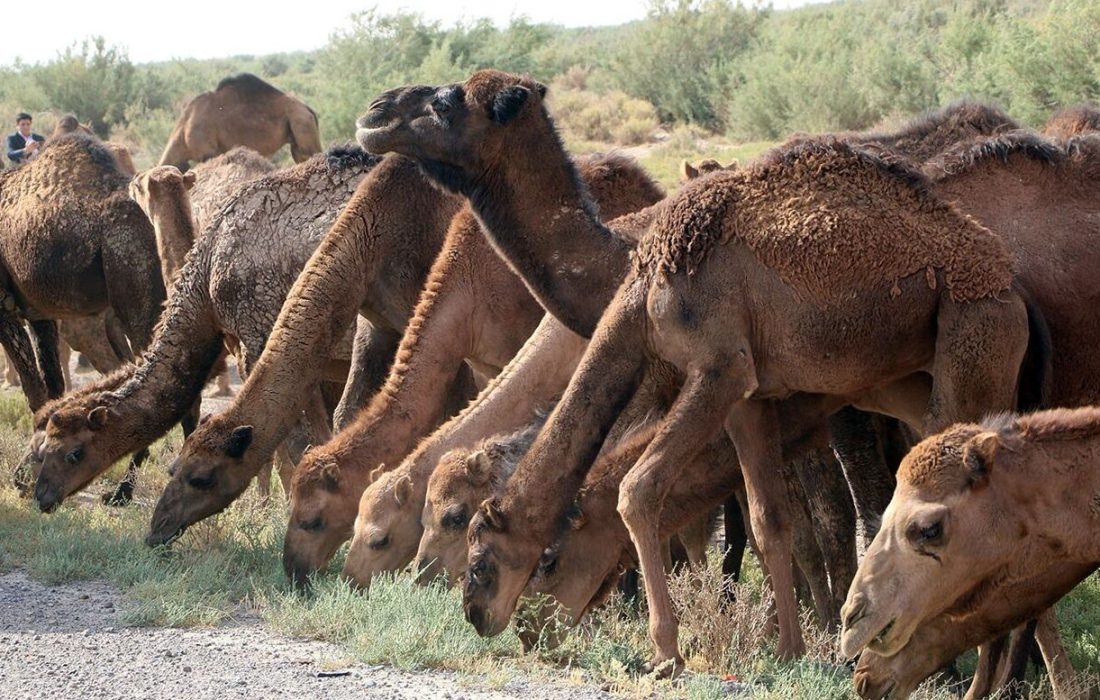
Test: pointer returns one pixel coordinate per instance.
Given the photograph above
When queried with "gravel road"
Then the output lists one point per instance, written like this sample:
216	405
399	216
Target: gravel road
67	641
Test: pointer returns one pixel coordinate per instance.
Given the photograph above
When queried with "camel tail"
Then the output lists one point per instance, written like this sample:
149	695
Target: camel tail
1033	391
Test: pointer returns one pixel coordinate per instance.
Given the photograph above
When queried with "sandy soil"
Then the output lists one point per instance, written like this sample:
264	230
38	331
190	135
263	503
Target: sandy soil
67	642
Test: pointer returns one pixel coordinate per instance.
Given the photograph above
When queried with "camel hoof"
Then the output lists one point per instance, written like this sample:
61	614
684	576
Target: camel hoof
664	668
121	497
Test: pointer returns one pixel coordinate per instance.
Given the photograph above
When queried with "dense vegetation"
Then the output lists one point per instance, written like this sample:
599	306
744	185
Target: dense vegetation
741	71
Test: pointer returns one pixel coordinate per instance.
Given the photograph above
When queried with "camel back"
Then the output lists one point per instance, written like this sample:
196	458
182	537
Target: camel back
1073	121
926	135
73	164
1076	158
832	220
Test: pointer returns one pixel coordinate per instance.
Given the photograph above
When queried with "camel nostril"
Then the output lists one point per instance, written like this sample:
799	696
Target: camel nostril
854	611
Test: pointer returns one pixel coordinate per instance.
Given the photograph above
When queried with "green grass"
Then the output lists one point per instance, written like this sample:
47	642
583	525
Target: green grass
231	564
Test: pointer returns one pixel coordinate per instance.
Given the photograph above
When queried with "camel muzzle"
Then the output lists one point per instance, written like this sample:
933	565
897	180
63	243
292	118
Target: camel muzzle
47	498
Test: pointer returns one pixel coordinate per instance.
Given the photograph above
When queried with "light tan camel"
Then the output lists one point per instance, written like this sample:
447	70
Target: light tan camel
243	110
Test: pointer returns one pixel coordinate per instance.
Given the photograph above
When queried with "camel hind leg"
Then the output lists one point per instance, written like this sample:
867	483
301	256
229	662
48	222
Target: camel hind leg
20	351
46	342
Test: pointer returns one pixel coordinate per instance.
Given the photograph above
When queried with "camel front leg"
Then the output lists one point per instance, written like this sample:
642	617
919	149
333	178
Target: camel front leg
754	428
371	356
692	422
17	345
1063	677
46	342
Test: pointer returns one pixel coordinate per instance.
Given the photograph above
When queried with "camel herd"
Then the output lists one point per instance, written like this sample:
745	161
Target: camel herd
527	373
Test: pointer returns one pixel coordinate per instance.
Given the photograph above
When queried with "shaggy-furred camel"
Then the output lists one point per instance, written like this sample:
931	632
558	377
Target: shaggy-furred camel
228	294
1073	121
1026	487
243	110
69	124
73	245
542	369
373	260
948	269
474	309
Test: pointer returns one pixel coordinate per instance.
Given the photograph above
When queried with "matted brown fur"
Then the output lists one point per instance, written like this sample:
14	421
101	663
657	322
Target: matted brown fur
218	179
1080	153
786	207
924	136
1073	121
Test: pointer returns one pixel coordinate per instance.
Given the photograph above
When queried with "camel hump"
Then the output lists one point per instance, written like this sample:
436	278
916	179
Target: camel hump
961	158
832	219
344	156
1073	121
248	86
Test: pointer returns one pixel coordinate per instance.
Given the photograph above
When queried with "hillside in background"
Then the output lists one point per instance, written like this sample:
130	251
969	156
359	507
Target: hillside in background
711	66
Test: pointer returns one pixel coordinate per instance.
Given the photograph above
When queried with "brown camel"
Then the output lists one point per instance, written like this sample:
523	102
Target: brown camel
162	193
1073	121
220	178
938	641
72	246
69	124
1025	487
228	294
508	116
474	309
463	479
373	260
242	111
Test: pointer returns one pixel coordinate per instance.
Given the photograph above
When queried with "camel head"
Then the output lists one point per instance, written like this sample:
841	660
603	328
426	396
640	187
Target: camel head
461	481
154	185
321	515
73	449
689	172
386	529
213	468
457	131
949	533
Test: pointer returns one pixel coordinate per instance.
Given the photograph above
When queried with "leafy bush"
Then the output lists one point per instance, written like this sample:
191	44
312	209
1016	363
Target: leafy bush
612	117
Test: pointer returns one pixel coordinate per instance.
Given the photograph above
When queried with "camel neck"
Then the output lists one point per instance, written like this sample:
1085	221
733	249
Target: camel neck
175	231
175	367
539	217
1064	501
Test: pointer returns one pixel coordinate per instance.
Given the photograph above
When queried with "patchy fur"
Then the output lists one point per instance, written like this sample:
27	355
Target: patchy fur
928	134
1073	121
811	210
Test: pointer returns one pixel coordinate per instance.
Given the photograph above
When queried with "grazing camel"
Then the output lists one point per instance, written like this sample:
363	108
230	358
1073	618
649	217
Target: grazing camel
936	642
1027	488
506	112
1073	121
373	259
243	110
228	295
74	245
474	309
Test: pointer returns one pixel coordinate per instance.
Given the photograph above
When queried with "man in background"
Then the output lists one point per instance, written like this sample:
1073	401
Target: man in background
24	144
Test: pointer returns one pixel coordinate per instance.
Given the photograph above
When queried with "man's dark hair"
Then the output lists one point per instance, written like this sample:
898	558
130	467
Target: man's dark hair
21	116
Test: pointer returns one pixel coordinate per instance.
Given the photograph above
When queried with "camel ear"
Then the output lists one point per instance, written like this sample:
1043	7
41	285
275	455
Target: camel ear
97	417
205	417
733	165
541	88
402	490
577	519
979	456
189	179
477	467
330	472
491	512
508	103
688	171
377	473
238	441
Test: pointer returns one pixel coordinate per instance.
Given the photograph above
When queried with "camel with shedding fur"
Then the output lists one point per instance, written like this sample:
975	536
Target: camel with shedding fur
373	260
473	309
72	246
228	294
242	110
507	113
1026	488
1073	121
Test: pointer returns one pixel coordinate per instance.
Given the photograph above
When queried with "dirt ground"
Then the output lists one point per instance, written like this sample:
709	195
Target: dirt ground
68	641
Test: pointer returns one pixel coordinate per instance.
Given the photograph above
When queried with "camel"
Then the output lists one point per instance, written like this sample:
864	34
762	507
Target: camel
1073	121
69	124
228	294
162	193
507	113
243	110
74	245
462	480
938	641
373	259
218	179
1025	486
474	309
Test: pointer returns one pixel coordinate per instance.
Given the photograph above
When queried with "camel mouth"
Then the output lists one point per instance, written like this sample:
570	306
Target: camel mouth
371	133
881	691
855	637
159	539
46	498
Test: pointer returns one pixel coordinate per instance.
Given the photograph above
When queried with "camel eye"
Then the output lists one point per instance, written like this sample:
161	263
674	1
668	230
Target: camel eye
74	456
479	573
932	534
455	519
202	483
317	523
379	542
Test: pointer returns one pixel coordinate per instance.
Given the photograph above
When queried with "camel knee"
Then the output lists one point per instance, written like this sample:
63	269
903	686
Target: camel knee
638	503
